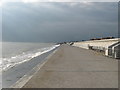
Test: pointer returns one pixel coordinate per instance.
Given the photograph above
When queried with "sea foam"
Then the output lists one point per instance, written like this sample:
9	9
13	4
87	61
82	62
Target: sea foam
6	63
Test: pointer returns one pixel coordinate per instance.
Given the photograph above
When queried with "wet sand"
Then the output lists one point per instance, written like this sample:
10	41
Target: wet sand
72	67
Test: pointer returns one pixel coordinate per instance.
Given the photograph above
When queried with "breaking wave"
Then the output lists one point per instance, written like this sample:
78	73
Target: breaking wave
6	63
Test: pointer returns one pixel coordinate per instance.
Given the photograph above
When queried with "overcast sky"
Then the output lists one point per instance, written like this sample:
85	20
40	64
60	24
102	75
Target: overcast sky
56	22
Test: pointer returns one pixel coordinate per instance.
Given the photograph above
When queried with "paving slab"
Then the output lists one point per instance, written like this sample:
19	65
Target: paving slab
72	67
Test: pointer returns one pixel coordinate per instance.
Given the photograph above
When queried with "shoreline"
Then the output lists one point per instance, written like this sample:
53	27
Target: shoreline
24	56
12	75
20	83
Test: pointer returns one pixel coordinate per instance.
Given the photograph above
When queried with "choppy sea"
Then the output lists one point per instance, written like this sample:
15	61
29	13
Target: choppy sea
14	53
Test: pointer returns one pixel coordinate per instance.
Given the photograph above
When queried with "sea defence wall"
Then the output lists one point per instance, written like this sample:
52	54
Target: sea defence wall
69	67
105	45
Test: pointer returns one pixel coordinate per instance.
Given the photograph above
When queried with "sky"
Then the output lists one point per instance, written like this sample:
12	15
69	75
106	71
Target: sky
58	21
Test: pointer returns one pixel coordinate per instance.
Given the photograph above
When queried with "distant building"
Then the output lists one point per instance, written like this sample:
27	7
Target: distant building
102	38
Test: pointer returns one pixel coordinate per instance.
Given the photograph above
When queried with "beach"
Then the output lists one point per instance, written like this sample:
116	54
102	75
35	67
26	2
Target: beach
73	67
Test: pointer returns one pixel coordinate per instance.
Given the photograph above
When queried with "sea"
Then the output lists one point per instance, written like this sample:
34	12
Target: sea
14	53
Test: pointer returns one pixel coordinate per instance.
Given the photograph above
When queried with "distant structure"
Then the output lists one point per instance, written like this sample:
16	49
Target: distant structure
102	38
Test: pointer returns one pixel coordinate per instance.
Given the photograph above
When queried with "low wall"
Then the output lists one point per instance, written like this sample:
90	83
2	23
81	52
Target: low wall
97	44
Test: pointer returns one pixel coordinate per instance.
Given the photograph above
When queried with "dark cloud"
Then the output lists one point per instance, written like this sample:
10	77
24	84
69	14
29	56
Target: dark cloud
56	22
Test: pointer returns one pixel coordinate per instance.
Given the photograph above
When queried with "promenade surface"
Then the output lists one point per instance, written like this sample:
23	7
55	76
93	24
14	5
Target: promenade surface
72	67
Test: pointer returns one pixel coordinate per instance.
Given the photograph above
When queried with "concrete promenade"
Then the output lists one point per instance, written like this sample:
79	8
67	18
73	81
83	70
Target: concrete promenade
72	67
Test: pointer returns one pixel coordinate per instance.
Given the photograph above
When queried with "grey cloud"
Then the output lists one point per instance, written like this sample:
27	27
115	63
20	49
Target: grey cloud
54	22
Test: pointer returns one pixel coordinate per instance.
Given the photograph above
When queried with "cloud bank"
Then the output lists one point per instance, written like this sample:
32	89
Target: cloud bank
56	22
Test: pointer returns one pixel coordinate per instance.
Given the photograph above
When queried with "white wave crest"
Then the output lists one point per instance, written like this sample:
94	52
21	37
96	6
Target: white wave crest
6	63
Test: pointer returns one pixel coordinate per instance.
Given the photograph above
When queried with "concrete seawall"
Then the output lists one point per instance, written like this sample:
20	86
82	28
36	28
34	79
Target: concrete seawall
102	45
72	67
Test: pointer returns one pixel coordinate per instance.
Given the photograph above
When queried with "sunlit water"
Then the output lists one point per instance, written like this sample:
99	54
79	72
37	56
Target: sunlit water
14	53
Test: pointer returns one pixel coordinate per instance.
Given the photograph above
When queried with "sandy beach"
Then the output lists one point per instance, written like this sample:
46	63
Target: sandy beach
73	67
